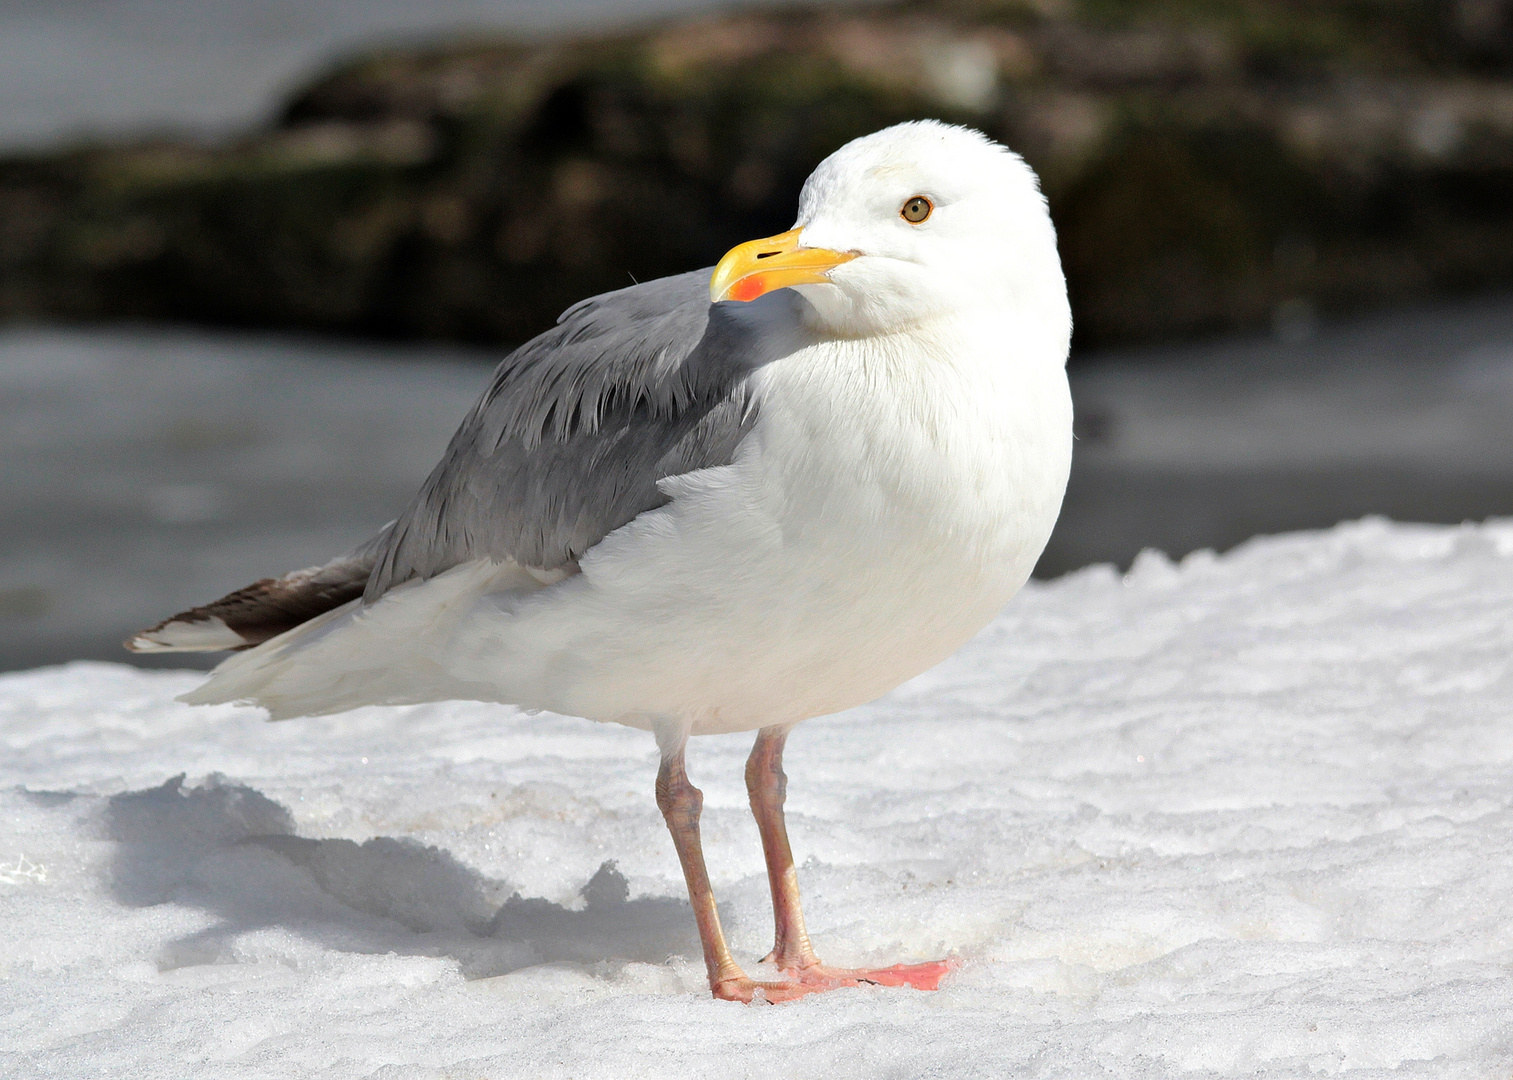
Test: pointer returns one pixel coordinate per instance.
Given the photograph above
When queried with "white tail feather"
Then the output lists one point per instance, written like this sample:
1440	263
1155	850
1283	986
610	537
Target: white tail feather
199	635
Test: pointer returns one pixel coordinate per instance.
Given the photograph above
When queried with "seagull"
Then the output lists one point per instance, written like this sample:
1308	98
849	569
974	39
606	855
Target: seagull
722	501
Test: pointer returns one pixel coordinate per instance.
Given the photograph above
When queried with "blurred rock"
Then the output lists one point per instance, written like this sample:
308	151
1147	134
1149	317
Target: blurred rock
1207	164
1485	26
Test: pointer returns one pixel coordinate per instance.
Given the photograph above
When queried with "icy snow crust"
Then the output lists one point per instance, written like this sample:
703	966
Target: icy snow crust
1245	816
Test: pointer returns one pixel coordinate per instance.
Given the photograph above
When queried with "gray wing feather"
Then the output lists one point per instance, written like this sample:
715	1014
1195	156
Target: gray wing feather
578	425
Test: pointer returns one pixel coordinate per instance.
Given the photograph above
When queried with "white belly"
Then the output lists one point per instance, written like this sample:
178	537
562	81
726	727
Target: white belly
861	535
883	509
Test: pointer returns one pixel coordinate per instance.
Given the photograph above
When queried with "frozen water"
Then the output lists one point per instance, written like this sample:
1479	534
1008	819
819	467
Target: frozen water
1247	815
1402	413
149	471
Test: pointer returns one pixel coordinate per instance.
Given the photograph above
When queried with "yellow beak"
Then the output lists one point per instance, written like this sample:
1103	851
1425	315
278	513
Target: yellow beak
758	266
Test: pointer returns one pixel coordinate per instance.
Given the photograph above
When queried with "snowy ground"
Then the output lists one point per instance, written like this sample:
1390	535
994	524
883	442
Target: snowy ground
1245	816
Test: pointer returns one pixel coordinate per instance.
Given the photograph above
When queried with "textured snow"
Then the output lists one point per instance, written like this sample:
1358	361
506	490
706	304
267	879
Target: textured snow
1243	816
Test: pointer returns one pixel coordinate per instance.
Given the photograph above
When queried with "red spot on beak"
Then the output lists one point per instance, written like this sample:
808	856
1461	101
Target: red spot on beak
749	288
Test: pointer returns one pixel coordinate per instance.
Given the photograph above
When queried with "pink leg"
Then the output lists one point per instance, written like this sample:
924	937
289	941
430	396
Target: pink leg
680	803
792	952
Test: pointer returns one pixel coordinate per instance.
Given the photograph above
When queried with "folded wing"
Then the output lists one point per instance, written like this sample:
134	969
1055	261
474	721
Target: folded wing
566	445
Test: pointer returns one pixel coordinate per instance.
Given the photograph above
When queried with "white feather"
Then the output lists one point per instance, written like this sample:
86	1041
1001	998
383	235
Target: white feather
199	635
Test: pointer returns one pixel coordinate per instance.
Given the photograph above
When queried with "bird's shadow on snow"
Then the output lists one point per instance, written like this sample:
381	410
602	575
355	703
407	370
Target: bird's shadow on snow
232	851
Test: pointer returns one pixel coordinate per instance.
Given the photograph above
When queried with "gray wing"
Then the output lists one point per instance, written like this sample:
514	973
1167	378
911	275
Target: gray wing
578	425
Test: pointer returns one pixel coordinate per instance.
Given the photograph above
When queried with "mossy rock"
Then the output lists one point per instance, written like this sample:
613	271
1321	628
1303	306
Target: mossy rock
1205	162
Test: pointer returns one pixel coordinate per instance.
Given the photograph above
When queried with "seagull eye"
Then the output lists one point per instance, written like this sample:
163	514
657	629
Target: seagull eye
916	209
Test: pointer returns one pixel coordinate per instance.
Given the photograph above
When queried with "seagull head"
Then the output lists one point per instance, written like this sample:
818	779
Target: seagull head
916	222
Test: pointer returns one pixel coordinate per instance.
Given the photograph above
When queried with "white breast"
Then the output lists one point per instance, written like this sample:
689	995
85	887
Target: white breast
892	497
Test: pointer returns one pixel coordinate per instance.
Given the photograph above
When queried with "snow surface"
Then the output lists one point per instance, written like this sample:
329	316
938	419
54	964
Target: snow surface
1243	816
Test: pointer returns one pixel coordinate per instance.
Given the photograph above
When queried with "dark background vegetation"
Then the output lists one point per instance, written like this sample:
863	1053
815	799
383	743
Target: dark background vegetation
1211	164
